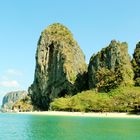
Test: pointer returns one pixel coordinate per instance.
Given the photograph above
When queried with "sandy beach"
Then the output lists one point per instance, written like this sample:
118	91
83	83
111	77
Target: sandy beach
82	114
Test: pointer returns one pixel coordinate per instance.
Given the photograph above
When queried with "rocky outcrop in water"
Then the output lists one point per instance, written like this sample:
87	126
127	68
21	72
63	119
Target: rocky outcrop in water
110	67
11	98
59	62
136	64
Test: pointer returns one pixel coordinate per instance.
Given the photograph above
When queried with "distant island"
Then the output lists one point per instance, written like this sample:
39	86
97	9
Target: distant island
64	82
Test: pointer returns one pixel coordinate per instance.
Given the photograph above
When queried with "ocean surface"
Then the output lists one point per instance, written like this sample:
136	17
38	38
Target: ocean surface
36	127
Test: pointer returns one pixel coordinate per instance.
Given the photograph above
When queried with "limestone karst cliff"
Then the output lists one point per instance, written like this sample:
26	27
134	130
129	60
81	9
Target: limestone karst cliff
59	62
11	98
136	64
110	67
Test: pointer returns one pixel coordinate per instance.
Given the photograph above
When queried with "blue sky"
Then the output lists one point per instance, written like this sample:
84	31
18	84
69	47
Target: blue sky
94	23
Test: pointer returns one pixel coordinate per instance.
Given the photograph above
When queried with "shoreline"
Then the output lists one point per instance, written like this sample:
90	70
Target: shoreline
83	114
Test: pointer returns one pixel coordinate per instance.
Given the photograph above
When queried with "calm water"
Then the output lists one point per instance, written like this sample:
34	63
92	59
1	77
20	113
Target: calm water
33	127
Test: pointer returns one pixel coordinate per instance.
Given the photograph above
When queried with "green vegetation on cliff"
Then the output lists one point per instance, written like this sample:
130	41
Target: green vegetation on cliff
17	101
136	64
11	98
119	100
61	73
110	67
59	33
23	105
60	63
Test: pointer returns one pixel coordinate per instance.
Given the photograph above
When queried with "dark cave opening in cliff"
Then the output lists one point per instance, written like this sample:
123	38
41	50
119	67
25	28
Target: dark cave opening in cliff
63	93
50	58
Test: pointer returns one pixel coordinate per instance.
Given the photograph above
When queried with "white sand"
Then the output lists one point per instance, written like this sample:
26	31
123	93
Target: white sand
60	113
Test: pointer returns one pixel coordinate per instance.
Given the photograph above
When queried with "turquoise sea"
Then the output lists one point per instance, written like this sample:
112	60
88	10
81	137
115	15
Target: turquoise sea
36	127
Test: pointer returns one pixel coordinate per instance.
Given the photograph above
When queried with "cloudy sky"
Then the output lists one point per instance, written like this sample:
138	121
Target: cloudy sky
94	23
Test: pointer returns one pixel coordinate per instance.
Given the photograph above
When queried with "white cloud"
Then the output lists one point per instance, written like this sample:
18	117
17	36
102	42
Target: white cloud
14	72
12	83
4	78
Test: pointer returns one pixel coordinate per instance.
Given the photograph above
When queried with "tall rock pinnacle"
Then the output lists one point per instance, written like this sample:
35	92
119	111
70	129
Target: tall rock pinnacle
59	61
110	67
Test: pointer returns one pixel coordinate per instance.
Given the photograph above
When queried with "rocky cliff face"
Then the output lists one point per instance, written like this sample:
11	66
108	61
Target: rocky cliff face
11	98
111	66
59	61
136	64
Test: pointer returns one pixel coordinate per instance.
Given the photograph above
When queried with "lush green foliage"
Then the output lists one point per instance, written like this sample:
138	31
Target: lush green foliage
58	32
106	80
137	81
23	105
110	67
60	66
61	70
126	99
120	100
136	64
